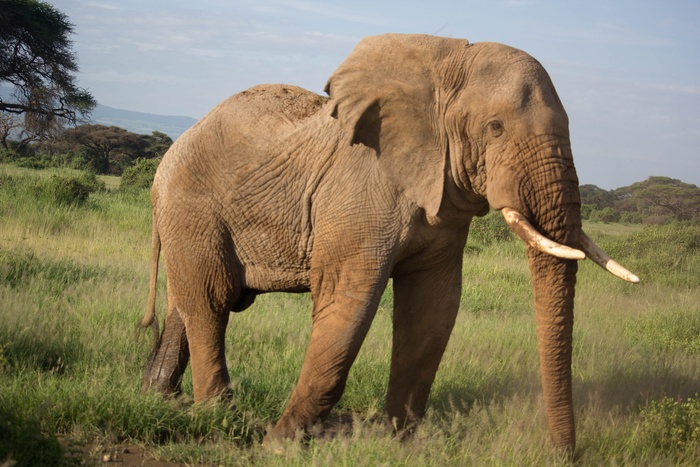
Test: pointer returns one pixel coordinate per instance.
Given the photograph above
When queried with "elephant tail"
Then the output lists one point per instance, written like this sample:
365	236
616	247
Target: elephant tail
149	317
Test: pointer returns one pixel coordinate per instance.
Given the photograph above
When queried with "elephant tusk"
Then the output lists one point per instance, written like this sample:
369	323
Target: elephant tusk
522	227
600	258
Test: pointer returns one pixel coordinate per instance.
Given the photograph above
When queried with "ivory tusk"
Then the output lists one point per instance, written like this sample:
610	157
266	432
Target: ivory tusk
599	257
522	227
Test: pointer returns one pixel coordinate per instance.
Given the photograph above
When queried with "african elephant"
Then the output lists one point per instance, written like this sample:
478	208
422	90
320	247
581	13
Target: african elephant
279	189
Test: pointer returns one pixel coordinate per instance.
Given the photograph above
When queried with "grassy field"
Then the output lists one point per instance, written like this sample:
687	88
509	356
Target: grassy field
73	286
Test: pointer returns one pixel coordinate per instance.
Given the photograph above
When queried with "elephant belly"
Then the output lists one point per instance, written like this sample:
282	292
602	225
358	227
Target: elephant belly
272	246
269	268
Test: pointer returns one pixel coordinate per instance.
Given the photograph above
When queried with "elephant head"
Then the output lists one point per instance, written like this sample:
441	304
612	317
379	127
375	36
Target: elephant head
456	126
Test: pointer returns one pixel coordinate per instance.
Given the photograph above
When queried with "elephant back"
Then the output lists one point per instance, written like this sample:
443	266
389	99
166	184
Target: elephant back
243	131
269	110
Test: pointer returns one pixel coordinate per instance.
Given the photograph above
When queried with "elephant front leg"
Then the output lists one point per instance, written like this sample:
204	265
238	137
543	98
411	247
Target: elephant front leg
425	308
169	359
343	312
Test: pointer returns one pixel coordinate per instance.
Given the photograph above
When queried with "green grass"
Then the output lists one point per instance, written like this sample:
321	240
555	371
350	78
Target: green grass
73	286
111	182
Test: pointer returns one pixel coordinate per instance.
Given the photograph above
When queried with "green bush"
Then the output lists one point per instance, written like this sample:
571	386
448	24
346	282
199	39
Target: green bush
31	163
678	331
604	215
671	424
67	189
58	189
586	210
678	238
629	217
490	229
140	174
6	155
667	254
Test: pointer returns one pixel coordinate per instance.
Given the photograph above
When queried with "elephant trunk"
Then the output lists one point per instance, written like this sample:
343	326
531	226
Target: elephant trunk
553	281
552	230
555	209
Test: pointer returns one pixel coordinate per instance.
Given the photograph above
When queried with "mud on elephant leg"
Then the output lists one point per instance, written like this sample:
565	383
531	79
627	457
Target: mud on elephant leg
422	327
169	358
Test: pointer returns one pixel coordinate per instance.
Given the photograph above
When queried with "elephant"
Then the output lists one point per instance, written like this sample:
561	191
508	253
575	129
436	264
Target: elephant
281	189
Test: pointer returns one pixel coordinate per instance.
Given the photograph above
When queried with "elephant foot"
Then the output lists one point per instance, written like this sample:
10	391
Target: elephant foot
218	387
281	435
163	377
275	444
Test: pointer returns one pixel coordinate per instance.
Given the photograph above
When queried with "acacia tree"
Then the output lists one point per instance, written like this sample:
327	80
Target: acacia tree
107	149
662	196
36	58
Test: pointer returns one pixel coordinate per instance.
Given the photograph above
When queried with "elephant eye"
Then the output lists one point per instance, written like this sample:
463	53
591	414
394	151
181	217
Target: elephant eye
496	129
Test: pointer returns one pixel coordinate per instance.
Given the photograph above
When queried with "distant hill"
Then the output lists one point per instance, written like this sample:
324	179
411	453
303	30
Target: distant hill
136	122
140	122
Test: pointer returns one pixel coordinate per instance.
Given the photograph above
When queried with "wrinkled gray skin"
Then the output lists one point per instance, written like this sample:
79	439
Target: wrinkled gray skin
278	189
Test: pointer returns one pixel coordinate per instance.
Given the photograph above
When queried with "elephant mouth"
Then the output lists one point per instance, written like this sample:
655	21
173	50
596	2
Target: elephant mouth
522	227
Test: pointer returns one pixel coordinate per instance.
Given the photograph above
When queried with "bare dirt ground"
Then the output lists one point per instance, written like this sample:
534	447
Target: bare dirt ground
119	455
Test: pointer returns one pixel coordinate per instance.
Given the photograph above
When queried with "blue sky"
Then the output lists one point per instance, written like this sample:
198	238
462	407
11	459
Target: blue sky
628	72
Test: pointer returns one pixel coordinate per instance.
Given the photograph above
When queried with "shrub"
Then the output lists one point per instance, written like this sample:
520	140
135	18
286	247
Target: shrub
666	254
677	331
629	217
490	229
17	269
679	238
67	189
586	210
671	424
6	155
140	174
31	163
58	189
604	215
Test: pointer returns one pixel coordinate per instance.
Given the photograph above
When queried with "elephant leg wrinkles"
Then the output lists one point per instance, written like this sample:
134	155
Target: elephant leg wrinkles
345	302
202	286
422	327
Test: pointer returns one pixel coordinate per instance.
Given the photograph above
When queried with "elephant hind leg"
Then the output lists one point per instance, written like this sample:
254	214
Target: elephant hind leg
169	359
204	287
206	331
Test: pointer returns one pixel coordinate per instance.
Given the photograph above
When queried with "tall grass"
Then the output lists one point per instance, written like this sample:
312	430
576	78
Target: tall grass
73	283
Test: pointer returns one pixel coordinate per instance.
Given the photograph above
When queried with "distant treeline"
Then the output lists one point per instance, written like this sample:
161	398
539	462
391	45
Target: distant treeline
101	149
113	150
657	200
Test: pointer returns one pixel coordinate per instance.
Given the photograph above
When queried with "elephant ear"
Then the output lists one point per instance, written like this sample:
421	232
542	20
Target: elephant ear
384	97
